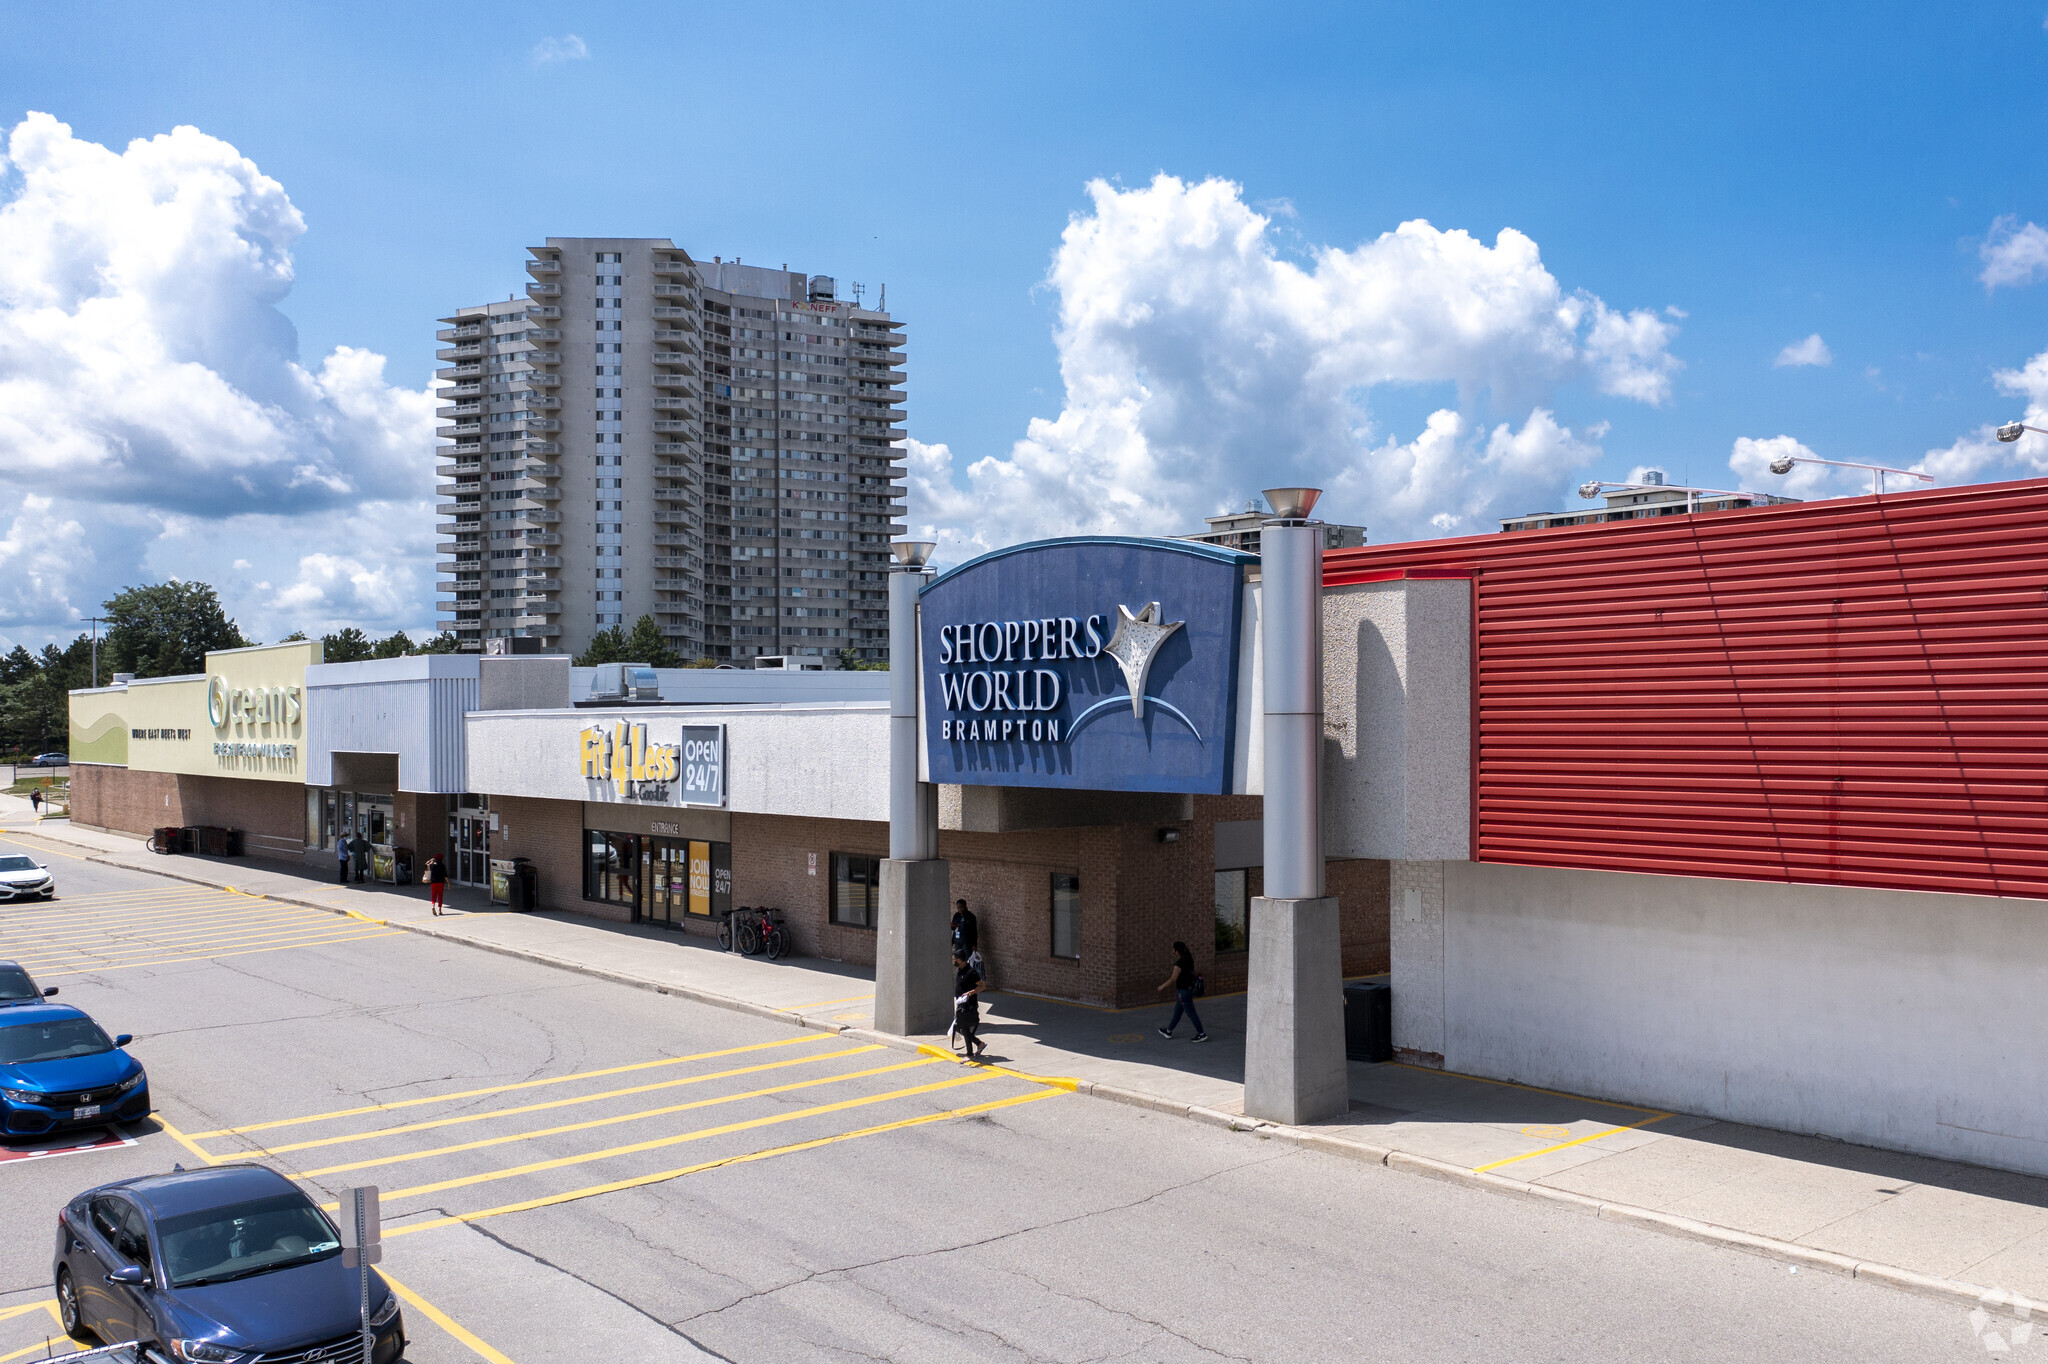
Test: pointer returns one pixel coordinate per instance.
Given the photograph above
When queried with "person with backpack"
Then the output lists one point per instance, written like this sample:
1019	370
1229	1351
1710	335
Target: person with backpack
437	882
1183	982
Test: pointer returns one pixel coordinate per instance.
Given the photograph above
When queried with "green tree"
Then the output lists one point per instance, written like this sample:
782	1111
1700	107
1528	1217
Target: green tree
851	660
295	637
345	646
646	645
393	646
606	646
443	643
165	629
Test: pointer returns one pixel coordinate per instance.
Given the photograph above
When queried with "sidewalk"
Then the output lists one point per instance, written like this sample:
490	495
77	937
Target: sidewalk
1917	1223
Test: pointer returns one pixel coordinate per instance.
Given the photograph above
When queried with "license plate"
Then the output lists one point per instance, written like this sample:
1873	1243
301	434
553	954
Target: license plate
90	1111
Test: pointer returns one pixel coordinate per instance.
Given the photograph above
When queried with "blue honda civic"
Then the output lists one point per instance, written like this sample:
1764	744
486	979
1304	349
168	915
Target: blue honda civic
232	1264
58	1070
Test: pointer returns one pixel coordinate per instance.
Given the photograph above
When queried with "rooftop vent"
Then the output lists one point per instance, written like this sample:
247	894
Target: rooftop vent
822	286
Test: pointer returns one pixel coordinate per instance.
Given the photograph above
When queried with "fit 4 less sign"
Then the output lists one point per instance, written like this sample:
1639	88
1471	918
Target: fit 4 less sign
622	761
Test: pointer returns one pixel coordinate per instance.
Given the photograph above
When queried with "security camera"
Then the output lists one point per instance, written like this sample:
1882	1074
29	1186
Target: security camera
2011	432
1782	464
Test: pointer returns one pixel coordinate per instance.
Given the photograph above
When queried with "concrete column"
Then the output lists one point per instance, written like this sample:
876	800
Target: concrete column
913	962
1294	1068
1416	892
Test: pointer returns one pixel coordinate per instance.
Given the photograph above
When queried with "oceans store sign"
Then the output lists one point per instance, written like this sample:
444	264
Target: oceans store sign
620	763
249	708
1098	663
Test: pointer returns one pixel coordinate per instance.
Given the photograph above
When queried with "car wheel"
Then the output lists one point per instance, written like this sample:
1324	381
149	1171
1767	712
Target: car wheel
67	1308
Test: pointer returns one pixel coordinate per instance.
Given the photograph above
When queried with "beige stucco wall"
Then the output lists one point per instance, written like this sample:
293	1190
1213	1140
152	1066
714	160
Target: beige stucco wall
261	695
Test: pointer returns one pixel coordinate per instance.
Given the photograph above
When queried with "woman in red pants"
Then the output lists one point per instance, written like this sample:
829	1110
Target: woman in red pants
437	882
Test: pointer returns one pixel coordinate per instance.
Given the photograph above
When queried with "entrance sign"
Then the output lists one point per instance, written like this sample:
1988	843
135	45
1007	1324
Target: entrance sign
704	764
1096	662
621	761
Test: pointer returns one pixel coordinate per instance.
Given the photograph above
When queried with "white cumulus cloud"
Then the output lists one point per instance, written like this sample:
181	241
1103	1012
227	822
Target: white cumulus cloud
2013	254
1201	365
567	48
1811	351
151	386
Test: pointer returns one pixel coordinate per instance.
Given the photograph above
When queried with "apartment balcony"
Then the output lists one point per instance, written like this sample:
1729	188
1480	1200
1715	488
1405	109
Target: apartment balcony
463	333
685	359
543	447
457	392
673	290
548	268
543	400
679	337
469	488
543	584
543	537
470	351
686	316
458	371
542	357
540	378
544	289
671	403
455	410
542	514
542	561
542	424
543	312
664	266
548	334
678	428
461	429
674	447
669	537
544	493
536	624
456	468
543	470
676	471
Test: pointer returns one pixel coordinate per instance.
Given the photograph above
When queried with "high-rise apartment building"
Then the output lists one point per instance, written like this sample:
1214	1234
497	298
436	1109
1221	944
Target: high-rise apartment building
645	434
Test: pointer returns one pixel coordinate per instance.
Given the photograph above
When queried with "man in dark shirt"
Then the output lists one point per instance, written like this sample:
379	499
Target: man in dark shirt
967	1005
966	929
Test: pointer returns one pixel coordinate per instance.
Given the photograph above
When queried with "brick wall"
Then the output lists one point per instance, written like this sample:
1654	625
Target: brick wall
271	815
550	834
124	801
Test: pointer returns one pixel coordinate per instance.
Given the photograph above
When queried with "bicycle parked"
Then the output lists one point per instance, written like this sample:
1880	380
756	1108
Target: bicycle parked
755	932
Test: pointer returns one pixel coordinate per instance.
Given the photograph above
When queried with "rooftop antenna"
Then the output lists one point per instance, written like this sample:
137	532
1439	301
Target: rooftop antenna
883	306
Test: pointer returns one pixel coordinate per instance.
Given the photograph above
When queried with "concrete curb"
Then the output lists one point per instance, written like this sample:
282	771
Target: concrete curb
1307	1138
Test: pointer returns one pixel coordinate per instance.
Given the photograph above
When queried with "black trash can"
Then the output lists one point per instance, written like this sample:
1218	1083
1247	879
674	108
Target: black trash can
233	842
1368	1021
401	866
525	886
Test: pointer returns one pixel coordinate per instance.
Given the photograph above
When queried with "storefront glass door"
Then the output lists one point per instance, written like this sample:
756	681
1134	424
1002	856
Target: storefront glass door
469	842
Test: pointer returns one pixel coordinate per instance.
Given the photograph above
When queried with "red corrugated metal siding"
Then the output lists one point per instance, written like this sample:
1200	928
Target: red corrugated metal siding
1852	692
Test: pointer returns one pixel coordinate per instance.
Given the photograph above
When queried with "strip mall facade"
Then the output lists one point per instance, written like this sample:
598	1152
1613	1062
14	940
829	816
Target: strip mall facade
1742	814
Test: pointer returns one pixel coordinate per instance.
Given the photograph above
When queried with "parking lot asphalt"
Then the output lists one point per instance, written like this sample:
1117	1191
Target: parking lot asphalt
577	1169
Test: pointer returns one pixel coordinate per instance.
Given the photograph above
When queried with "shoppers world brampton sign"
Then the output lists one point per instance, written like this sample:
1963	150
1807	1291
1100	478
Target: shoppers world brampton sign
1095	662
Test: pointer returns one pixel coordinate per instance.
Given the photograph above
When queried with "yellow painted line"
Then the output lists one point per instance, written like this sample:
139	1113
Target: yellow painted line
1532	1089
641	1181
37	1348
1566	1145
135	949
216	956
819	1004
564	1103
657	1143
1056	1081
511	1137
183	1140
445	1322
190	936
23	1309
38	847
77	906
156	908
518	1085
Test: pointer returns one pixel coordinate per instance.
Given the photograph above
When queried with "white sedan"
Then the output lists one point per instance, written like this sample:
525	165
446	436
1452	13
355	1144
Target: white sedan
24	878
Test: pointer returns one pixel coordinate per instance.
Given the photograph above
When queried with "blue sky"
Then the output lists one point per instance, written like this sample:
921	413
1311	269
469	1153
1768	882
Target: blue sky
1770	172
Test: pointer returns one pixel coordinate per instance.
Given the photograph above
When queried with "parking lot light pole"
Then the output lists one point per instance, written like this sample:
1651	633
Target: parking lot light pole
1294	1064
913	969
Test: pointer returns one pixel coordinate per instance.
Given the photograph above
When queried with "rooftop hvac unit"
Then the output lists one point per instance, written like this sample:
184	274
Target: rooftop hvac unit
821	287
625	682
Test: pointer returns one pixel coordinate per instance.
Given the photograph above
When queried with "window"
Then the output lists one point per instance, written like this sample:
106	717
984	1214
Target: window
1066	916
1233	925
856	889
611	865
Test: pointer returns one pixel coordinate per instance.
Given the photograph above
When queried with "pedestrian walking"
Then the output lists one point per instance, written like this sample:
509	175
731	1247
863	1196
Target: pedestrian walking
35	803
1182	983
437	882
967	1006
341	853
966	929
359	857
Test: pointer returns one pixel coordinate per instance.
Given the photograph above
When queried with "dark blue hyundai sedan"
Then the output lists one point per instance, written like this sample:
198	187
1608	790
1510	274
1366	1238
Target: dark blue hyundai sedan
58	1070
228	1265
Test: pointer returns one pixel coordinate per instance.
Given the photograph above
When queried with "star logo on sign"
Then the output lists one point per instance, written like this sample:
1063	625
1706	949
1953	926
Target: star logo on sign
1135	644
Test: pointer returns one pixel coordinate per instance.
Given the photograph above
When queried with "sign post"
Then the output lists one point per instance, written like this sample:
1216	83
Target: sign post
362	1245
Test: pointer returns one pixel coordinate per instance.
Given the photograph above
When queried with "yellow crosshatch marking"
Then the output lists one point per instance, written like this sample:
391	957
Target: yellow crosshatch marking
143	929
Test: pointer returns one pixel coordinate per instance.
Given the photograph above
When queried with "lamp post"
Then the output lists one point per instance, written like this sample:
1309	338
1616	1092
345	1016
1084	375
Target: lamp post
913	971
1783	465
2012	431
1294	1065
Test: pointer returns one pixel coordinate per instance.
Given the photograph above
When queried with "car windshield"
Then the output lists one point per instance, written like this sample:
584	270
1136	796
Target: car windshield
51	1041
18	864
15	984
243	1239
